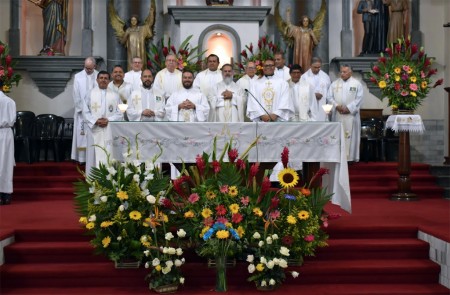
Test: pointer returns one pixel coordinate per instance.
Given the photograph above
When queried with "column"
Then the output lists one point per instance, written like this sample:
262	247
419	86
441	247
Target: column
14	30
416	34
87	33
346	33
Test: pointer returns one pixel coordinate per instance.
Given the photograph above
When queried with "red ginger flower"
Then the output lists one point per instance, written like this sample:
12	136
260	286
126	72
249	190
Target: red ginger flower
285	157
232	155
165	51
254	170
216	166
200	164
265	186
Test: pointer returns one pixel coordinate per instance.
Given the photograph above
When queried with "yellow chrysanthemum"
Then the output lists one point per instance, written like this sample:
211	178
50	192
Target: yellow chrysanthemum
260	267
410	70
229	225
257	212
303	215
90	225
291	219
146	222
397	70
83	220
234	208
206	212
210	195
413	94
413	79
233	191
105	224
189	214
424	84
288	177
135	215
158	267
204	230
106	241
382	84
397	78
241	231
122	195
222	234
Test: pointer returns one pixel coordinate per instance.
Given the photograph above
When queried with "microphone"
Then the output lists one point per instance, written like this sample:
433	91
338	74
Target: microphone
270	118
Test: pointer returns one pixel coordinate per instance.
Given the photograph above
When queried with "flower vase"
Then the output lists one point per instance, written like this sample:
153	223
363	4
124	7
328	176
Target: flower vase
172	288
403	112
221	273
127	263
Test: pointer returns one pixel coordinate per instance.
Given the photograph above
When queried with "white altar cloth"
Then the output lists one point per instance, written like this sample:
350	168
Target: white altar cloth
307	142
410	123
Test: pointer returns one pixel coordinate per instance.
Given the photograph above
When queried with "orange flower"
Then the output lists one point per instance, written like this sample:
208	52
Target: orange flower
305	191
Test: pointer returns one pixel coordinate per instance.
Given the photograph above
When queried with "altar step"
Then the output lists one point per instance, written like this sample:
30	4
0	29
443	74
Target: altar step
442	173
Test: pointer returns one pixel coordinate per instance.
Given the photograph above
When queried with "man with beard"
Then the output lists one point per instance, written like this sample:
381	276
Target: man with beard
187	104
143	105
229	98
118	84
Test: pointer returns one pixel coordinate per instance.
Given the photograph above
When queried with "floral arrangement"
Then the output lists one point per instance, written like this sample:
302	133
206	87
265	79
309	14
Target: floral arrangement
7	75
404	75
188	58
266	49
116	205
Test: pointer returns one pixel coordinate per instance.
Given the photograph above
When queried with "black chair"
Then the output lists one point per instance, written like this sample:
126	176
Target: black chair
371	139
48	132
23	131
67	139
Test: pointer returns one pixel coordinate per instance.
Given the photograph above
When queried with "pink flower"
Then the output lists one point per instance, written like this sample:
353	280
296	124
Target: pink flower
406	68
245	200
413	86
422	74
193	198
224	189
222	220
309	238
274	215
404	93
386	76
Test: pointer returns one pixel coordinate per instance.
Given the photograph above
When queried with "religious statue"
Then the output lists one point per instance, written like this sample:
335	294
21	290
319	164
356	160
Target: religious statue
219	2
303	38
397	20
132	35
54	13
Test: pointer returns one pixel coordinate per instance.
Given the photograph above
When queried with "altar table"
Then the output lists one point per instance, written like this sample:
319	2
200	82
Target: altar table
307	142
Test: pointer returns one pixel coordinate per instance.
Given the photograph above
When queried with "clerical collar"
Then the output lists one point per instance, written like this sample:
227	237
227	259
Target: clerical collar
269	76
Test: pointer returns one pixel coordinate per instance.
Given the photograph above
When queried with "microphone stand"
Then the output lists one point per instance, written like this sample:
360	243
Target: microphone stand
270	118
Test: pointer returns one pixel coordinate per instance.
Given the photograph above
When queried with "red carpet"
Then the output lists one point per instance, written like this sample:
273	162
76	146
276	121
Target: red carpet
374	250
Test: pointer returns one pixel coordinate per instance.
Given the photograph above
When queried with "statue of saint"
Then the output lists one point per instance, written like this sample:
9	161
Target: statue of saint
303	38
397	20
54	13
133	35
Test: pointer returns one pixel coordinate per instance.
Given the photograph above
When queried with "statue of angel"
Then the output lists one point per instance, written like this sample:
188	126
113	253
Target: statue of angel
132	35
305	37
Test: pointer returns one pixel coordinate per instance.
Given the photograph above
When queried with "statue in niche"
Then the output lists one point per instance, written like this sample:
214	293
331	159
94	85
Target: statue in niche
398	19
219	2
133	35
305	37
54	14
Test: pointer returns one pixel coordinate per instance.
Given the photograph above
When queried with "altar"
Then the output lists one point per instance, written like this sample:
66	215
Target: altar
182	142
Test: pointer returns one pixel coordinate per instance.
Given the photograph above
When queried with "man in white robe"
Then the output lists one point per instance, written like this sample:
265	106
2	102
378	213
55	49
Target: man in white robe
100	108
346	95
229	98
168	80
244	83
118	84
281	70
133	76
84	81
302	95
7	120
320	82
269	99
206	82
188	104
143	104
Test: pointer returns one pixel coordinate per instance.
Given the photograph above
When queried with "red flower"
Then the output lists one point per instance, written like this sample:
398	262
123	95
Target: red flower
251	48
10	72
376	69
398	48
149	64
232	155
421	52
216	166
287	240
173	49
236	218
241	66
8	60
414	48
274	214
285	157
264	40
167	203
156	57
240	164
427	62
209	221
274	203
222	220
265	186
382	59
200	164
181	185
244	53
259	44
373	80
438	82
397	86
2	48
431	72
221	210
389	51
309	238
254	170
407	42
245	200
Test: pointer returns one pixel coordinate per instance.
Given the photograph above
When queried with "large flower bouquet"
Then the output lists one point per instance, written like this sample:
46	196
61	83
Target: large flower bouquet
188	58
116	205
7	74
265	49
404	74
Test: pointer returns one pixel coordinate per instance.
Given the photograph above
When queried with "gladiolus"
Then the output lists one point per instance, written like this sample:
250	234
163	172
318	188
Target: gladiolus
244	53
165	51
173	49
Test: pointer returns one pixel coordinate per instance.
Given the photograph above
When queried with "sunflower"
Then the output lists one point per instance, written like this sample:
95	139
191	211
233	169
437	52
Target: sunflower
288	177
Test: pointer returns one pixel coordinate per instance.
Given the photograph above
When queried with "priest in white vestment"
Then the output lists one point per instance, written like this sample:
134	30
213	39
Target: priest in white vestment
84	81
133	76
100	108
346	95
229	98
7	162
207	80
302	95
168	80
118	84
244	84
281	70
143	104
320	82
188	104
269	99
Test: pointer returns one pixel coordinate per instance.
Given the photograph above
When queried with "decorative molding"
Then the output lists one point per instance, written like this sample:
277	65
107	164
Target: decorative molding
51	73
219	13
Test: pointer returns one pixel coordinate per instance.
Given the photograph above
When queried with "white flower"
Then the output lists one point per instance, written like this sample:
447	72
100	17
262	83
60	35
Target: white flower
263	283
272	282
294	274
144	191
111	170
161	200
166	270
149	176
171	251
144	239
92	218
276	261
151	199
147	264
181	233
136	163
183	260
179	251
104	199
119	238
181	280
251	268
261	243
178	262
136	178
270	264
256	235
284	251
121	207
169	236
275	237
92	189
149	166
269	240
250	258
146	252
156	262
169	263
127	172
263	260
283	263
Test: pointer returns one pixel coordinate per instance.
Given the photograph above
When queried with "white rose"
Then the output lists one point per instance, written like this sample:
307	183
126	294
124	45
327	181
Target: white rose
263	260
104	199
284	251
181	233
272	282
171	251
119	238
179	251
276	261
121	207
251	268
146	253
178	262
256	235
269	240
263	283
169	236
250	258
92	218
151	199
270	264
169	263
283	263
181	280
166	270
294	274
147	265
275	237
261	243
155	262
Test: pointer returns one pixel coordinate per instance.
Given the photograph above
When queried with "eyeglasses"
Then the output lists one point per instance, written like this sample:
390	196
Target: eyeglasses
269	66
